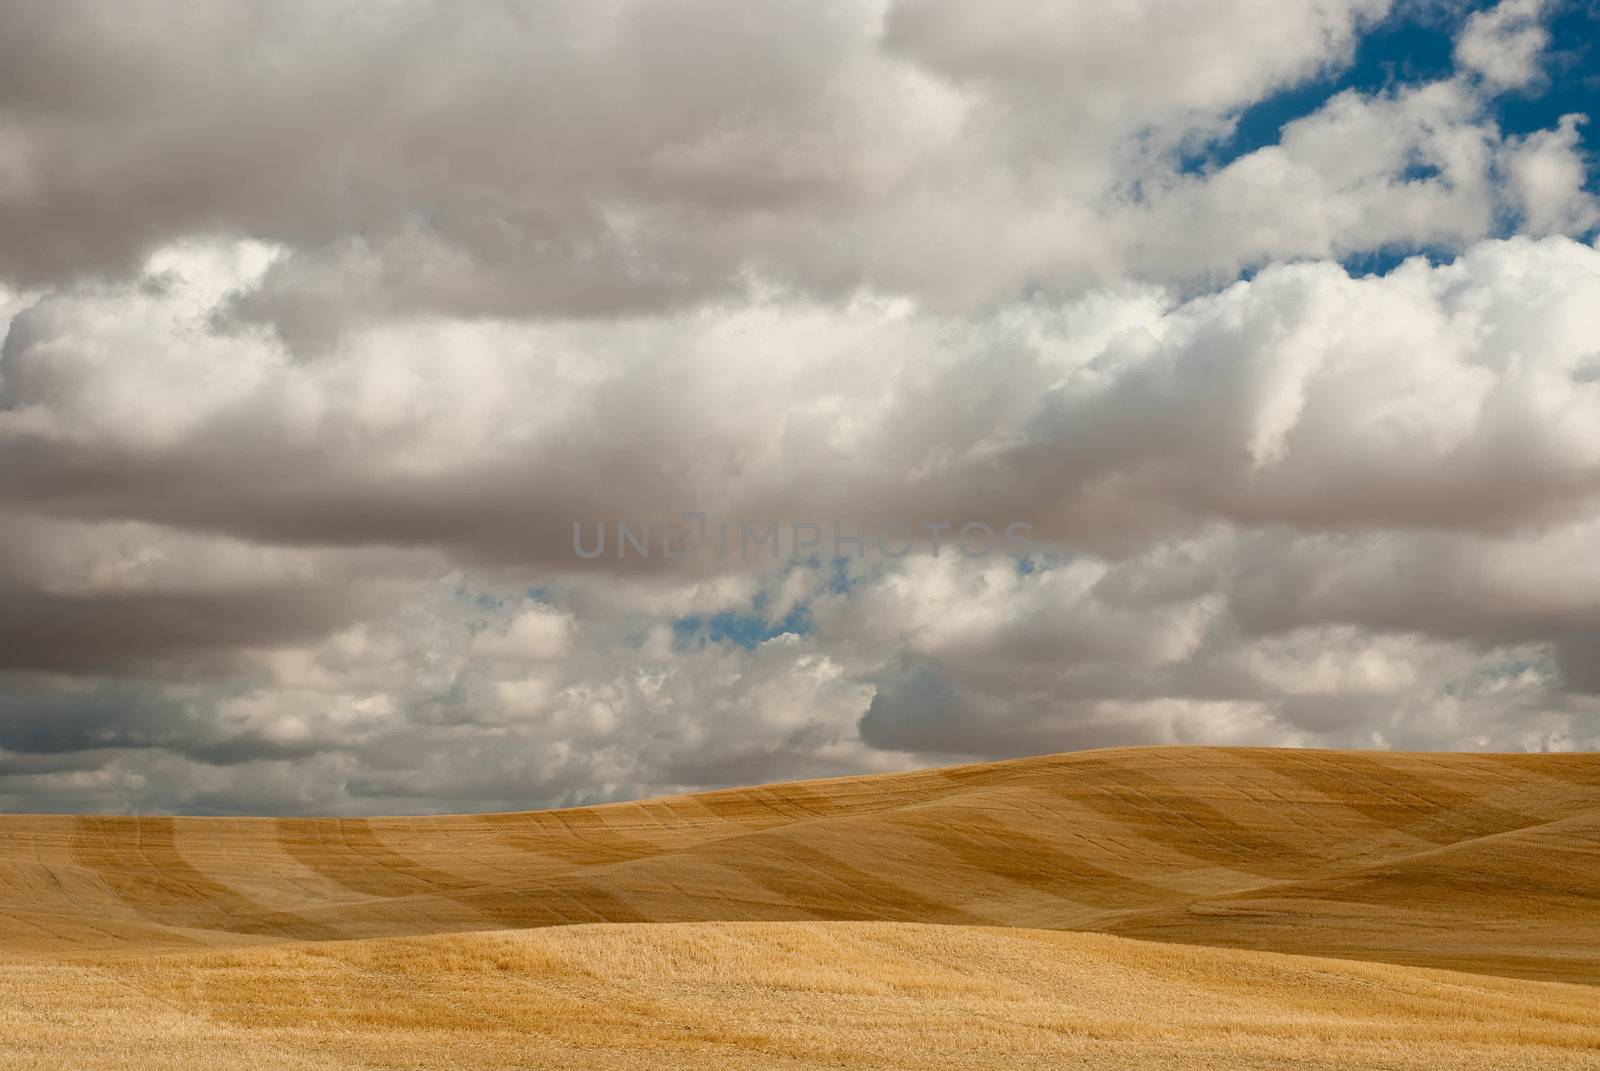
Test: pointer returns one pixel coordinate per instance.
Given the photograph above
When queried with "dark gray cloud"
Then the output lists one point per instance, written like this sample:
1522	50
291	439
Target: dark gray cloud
134	632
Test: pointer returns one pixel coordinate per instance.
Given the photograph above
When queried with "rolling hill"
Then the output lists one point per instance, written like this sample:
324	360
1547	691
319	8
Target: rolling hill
1189	876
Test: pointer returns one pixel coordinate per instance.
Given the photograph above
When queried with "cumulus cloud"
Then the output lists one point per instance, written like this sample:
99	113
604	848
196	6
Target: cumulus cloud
594	160
1547	175
323	325
1458	395
1503	44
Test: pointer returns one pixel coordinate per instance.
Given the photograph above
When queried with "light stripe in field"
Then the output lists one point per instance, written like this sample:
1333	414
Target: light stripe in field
139	860
563	900
549	835
468	852
248	856
829	887
347	851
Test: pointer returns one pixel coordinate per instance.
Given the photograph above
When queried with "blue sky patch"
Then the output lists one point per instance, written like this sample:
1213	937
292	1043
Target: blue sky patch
746	630
1416	45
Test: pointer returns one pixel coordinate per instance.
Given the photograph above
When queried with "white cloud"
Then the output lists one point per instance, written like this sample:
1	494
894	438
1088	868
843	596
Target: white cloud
1505	44
1546	174
918	148
536	634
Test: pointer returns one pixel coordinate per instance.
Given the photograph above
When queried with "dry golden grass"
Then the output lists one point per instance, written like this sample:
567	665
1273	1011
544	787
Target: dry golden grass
779	995
709	930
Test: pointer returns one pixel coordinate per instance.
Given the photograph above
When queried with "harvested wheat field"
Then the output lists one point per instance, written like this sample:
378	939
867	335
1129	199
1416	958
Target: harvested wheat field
1230	908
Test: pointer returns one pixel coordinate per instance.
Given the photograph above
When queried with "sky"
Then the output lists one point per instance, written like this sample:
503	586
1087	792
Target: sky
1275	324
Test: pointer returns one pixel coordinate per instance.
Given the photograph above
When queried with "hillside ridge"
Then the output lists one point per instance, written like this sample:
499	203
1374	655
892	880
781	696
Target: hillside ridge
1411	858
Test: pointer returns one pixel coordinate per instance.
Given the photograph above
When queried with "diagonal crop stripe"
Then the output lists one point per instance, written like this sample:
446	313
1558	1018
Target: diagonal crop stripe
139	860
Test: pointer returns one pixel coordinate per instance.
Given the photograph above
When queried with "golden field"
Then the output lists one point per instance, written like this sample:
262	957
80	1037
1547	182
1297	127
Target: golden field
1137	908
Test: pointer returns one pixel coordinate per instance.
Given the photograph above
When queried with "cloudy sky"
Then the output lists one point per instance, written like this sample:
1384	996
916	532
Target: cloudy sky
1277	321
